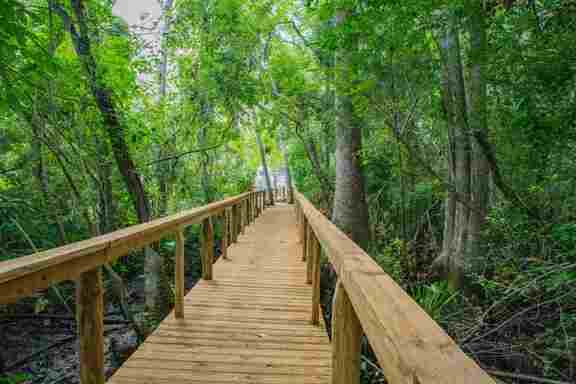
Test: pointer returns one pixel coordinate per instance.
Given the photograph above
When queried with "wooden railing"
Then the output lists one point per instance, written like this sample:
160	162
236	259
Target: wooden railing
81	261
411	347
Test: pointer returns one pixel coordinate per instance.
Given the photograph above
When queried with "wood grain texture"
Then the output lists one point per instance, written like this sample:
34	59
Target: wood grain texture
251	324
89	312
179	276
304	231
346	339
310	238
316	253
207	253
410	346
225	233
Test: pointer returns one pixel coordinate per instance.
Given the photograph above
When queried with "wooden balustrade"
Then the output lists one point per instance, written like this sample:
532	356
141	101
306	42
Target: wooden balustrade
411	347
82	260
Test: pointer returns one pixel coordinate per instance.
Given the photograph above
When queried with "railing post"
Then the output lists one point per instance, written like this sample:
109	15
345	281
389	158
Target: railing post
346	339
179	276
240	218
309	253
89	312
225	233
207	248
304	231
243	216
316	253
297	210
252	210
249	208
233	225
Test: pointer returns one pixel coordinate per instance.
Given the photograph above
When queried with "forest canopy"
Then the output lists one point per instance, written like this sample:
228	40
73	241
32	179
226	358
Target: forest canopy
439	135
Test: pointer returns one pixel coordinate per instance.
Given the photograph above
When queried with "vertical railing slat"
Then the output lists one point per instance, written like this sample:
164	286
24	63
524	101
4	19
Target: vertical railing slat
89	312
346	339
233	226
303	232
225	234
309	256
316	253
207	248
179	276
243	216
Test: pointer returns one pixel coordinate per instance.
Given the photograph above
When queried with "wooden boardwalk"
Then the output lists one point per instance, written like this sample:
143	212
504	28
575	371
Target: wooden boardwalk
249	325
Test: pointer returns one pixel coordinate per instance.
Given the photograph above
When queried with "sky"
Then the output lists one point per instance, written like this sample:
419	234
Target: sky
134	10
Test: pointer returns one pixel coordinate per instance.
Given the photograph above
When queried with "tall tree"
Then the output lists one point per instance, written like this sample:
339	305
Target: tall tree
350	211
457	205
163	167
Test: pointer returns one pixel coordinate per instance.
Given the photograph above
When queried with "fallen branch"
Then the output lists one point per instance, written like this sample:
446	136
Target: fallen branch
42	316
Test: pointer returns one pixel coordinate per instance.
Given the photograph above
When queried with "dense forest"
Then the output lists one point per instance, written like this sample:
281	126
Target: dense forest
439	135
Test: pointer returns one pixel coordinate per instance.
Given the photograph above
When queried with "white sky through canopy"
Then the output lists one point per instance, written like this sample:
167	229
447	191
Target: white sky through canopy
135	11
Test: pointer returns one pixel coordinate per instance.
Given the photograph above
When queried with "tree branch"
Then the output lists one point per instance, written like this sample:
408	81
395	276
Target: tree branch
179	155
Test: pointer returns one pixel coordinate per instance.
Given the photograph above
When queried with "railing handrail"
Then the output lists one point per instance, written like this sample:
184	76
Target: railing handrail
410	346
26	272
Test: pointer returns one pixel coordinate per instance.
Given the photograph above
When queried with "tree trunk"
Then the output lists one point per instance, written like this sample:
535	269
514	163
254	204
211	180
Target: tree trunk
350	211
282	145
163	167
205	161
477	115
262	152
457	220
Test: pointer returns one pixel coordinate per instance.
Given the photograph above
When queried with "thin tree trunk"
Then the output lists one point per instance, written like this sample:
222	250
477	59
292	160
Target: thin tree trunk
262	152
350	211
205	161
163	167
282	142
477	114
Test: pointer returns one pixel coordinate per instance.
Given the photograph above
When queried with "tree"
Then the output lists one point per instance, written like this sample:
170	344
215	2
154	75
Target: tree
350	211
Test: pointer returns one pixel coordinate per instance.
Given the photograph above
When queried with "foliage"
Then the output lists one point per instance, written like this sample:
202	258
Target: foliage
16	378
434	298
237	68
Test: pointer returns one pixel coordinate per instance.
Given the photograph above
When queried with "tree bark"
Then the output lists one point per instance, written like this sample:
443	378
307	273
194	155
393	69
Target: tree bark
477	114
205	160
262	152
163	168
350	212
457	220
282	145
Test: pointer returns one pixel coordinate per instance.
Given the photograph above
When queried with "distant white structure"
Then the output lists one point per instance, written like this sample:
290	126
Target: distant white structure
278	178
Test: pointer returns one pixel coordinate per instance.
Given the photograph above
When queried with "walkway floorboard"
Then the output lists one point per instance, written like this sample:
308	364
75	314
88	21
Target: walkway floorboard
250	325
